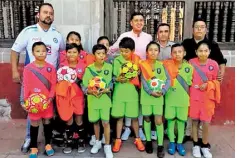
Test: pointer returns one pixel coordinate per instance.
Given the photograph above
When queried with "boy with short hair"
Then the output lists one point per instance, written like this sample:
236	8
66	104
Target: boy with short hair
177	97
125	95
99	103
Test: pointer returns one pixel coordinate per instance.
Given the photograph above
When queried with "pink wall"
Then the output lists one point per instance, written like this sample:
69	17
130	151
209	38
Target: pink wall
225	111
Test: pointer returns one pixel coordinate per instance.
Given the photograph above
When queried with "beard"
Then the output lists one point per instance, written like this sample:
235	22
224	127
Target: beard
47	22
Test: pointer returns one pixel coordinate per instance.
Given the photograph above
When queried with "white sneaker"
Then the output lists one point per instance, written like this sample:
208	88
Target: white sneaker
103	139
197	152
96	147
142	135
126	134
153	135
108	151
206	152
92	141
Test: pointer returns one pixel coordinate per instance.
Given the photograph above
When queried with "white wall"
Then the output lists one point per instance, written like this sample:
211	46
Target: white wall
83	16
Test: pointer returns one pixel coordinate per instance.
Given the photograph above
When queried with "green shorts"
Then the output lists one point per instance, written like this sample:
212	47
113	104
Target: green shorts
125	109
148	110
98	114
172	112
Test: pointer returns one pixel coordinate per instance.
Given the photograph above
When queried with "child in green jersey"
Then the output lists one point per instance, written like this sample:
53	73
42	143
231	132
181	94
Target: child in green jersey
125	95
152	99
99	103
177	97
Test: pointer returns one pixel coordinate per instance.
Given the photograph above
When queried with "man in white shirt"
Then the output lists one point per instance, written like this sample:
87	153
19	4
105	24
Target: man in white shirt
42	31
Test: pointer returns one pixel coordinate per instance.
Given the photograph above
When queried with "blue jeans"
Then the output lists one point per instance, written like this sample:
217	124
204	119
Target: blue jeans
28	120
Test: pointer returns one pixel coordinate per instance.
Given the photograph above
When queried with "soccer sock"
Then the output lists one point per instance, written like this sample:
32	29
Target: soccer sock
34	136
69	131
160	134
47	133
147	129
181	126
81	131
170	130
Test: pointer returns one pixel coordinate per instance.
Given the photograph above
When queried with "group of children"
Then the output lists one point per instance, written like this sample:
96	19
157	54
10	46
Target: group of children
190	89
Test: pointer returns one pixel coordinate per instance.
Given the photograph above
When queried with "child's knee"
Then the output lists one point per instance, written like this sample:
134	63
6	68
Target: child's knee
147	119
79	120
158	120
134	119
46	121
34	123
105	124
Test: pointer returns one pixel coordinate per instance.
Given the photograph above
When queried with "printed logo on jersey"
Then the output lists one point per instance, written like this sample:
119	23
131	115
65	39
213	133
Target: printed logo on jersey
211	68
49	69
48	47
55	40
81	56
187	69
37	90
36	39
158	70
106	72
79	71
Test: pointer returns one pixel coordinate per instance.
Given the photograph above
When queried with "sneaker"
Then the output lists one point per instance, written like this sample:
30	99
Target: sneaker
171	148
196	152
181	150
81	146
108	151
117	145
126	134
139	144
153	135
49	150
92	141
33	153
103	139
96	147
25	146
142	135
206	152
149	147
160	152
187	138
67	148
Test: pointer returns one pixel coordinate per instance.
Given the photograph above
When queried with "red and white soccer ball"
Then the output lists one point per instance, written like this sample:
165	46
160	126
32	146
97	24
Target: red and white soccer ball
156	85
36	103
66	73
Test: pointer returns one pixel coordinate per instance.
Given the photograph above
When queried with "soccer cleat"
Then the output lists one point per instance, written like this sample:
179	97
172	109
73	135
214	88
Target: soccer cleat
33	153
181	150
49	150
139	144
117	145
149	147
108	151
171	148
160	152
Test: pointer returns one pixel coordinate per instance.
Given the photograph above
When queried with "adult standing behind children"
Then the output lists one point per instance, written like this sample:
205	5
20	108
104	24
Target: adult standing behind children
190	45
42	31
141	40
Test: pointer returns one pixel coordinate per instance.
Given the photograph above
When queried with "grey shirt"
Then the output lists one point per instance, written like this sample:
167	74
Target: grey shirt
165	52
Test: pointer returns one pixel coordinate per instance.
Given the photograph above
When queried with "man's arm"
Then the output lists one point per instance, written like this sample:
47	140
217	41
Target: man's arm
19	45
14	62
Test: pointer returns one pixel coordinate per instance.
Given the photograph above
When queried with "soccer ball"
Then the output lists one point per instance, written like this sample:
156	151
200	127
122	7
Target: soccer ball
65	73
156	85
97	83
36	103
129	70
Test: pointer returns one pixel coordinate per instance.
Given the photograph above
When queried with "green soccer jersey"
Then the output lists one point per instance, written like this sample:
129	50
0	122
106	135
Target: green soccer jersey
177	95
160	73
124	92
104	101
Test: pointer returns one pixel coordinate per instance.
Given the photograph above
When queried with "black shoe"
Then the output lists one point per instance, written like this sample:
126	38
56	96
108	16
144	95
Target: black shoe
160	152
187	138
148	147
67	147
25	146
81	146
